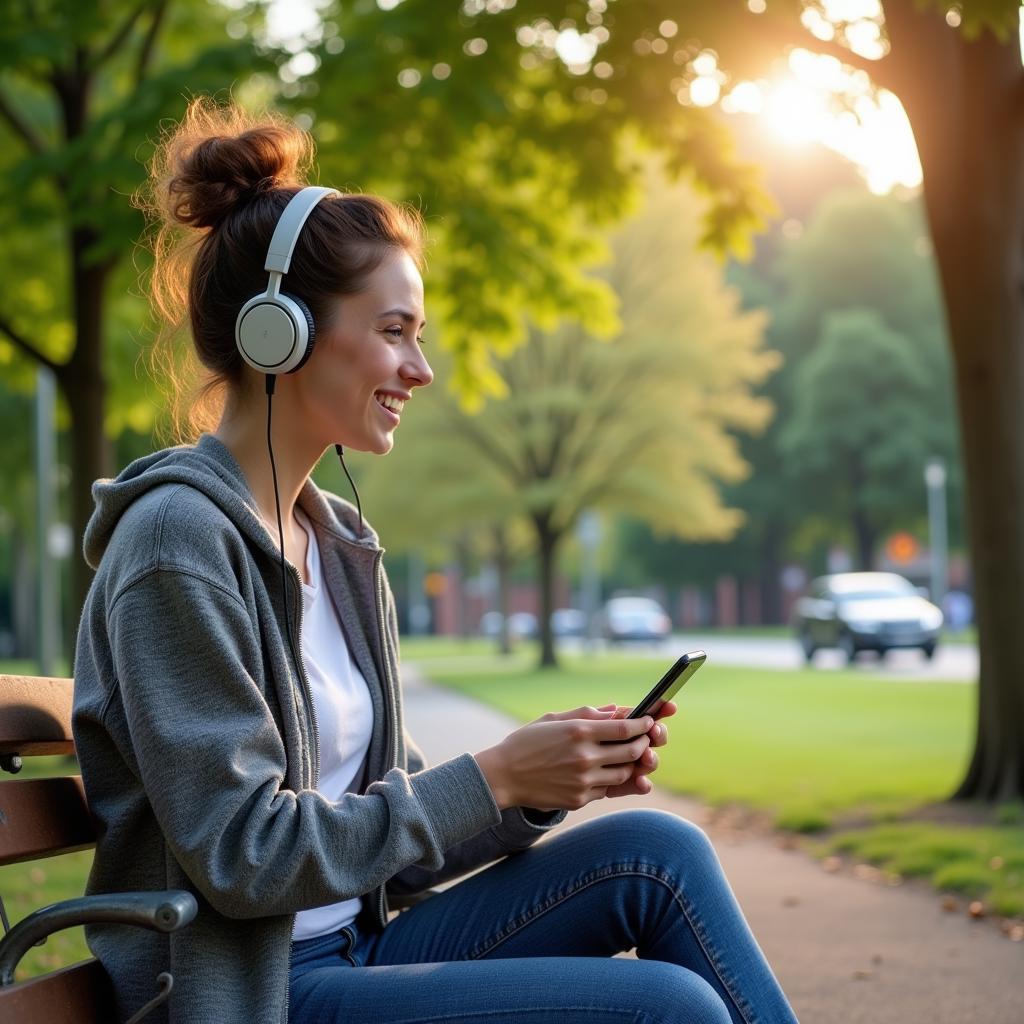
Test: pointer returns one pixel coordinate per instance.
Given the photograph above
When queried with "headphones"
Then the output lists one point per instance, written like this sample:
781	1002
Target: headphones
274	332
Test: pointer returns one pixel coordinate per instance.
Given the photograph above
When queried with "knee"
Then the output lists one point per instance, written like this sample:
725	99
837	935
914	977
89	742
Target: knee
681	997
663	835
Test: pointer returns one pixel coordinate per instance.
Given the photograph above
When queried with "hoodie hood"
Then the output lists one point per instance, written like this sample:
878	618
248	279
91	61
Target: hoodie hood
209	467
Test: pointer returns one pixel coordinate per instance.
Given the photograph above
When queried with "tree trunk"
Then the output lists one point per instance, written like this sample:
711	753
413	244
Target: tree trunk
964	102
547	543
83	384
501	565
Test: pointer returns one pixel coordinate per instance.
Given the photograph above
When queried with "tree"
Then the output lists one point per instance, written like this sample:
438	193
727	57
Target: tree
959	78
859	427
642	423
866	391
82	89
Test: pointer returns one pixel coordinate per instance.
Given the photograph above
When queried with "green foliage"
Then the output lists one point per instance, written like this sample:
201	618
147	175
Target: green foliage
514	162
78	175
859	417
643	422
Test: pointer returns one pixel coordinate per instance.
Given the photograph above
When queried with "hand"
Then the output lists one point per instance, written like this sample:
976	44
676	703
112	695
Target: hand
639	784
564	760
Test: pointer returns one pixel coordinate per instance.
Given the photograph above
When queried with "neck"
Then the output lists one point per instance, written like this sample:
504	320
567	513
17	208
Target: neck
243	431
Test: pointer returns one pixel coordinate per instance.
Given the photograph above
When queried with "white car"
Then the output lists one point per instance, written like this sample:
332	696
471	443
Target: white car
633	618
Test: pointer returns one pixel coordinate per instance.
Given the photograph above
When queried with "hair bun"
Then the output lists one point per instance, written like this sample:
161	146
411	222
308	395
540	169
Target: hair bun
219	157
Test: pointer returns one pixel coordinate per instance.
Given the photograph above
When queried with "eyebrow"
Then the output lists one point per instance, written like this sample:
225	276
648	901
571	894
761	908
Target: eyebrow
408	317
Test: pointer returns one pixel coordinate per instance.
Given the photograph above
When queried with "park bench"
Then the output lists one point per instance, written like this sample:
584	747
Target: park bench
45	817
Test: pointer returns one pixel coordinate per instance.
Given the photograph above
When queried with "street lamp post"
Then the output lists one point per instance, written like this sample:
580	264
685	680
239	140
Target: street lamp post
48	620
935	481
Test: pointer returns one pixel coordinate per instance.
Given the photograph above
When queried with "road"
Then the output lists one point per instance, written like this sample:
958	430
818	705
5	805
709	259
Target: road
952	662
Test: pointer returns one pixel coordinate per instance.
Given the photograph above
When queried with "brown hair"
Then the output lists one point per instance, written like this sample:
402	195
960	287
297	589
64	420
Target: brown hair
219	181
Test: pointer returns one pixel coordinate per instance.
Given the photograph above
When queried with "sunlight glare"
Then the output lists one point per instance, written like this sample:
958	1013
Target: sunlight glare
704	91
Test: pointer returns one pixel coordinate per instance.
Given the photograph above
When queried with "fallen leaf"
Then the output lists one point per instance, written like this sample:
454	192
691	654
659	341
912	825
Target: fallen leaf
861	975
949	904
976	908
832	864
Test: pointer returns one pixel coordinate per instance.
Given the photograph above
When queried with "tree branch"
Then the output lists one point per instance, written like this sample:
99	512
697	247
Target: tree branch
117	40
24	346
826	47
793	33
149	43
21	127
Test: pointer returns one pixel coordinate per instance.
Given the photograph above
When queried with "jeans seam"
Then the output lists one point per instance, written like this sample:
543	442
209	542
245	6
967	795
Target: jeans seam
638	1016
618	871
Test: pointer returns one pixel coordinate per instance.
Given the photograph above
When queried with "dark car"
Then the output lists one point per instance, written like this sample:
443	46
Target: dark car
865	611
632	618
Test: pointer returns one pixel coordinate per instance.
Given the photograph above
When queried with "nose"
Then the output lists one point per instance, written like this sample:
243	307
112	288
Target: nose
417	372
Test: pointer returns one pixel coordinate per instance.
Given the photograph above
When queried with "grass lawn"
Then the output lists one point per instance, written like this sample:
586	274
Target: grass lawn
839	751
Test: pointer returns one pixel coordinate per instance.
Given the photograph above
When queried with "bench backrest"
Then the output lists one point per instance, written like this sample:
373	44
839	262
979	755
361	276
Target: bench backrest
42	818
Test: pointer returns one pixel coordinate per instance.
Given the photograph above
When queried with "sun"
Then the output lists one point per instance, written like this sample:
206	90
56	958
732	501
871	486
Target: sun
818	100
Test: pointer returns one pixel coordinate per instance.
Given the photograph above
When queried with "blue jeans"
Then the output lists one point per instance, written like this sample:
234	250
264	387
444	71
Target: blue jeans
532	939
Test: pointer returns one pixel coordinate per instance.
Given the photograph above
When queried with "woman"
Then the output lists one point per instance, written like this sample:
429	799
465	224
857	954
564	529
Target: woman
237	709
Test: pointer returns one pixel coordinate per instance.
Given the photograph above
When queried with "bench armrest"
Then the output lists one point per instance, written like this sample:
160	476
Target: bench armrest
159	911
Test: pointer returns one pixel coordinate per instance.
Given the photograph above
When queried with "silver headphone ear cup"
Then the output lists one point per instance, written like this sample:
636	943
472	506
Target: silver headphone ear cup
273	333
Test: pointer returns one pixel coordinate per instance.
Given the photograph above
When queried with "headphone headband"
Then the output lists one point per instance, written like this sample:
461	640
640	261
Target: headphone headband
286	234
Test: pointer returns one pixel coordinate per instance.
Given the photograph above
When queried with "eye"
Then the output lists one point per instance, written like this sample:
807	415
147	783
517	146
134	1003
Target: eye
397	332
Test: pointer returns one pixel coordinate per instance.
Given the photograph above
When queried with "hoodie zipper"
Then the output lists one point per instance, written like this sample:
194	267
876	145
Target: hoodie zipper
306	690
392	714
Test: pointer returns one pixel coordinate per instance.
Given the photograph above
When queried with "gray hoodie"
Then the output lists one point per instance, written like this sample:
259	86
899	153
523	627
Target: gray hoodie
198	744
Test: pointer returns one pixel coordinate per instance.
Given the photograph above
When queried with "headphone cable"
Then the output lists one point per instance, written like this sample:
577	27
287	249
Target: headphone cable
341	458
271	382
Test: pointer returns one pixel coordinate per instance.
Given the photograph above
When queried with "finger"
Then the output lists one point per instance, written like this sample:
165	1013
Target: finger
610	755
619	729
639	786
658	735
586	712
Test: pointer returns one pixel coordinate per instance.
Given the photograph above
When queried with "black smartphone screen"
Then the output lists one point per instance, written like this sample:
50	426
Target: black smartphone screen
669	684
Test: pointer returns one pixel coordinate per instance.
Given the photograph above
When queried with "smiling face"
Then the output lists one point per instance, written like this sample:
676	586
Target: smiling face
367	352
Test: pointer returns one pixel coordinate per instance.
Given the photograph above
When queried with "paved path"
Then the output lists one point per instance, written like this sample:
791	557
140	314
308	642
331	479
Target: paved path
847	950
954	662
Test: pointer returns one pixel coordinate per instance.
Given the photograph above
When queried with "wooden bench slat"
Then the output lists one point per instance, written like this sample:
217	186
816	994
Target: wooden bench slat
79	994
36	715
43	818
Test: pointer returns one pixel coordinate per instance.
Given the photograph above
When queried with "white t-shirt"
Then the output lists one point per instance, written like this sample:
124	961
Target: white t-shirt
344	715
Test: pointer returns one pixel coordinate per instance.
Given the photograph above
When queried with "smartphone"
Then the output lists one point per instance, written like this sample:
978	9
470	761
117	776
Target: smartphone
669	684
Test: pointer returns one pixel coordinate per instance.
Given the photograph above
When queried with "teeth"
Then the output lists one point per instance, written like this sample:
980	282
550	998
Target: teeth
390	402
